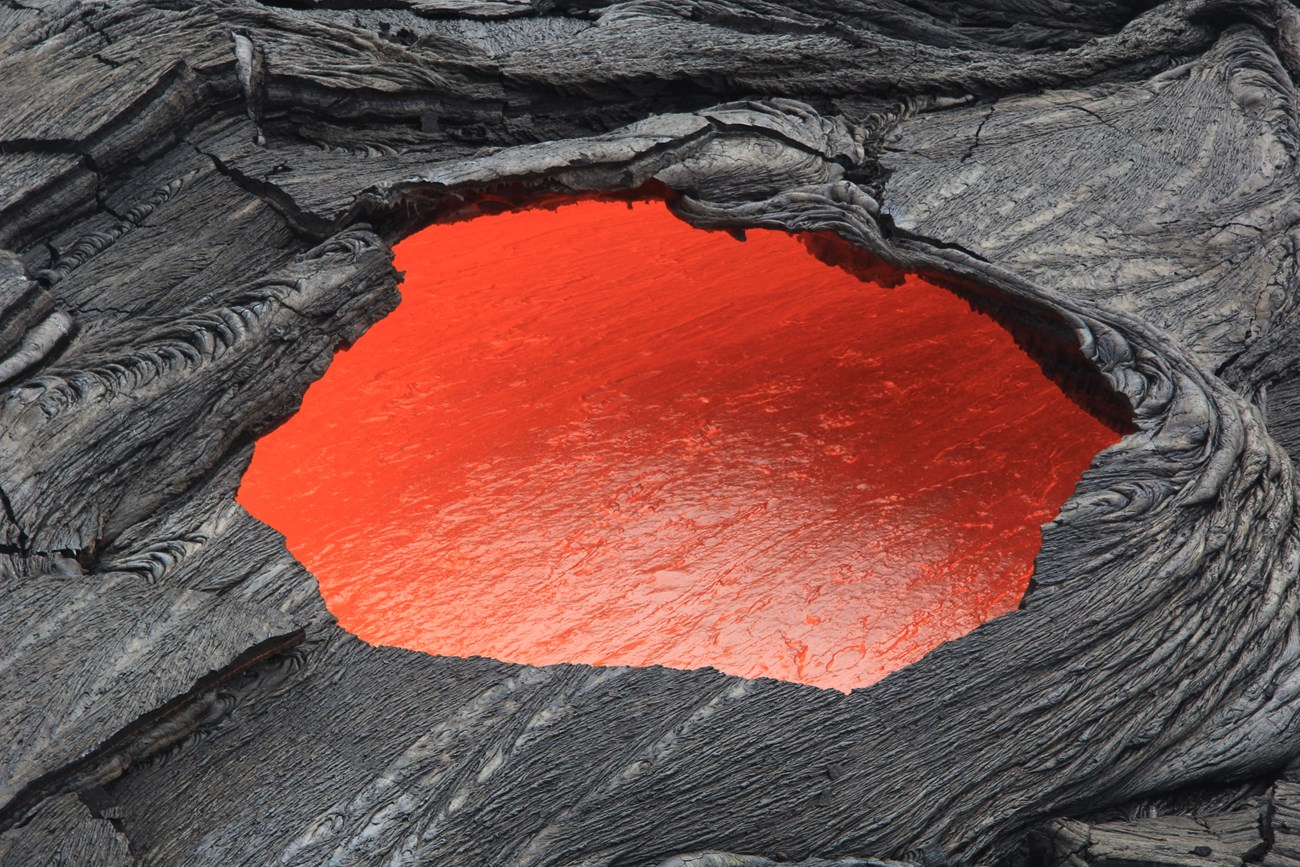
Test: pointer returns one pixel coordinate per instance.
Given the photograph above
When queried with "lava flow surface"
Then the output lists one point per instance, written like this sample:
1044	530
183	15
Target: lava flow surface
594	434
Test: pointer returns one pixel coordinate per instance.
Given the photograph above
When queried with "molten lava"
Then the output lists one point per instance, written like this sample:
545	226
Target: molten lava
597	435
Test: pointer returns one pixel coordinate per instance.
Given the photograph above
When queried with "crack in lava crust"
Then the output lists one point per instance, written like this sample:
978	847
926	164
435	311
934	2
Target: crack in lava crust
597	435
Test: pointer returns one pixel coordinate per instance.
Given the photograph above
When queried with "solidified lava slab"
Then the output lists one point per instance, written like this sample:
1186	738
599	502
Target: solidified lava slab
594	434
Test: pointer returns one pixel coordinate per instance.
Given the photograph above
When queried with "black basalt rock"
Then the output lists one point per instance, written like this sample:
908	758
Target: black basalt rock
198	203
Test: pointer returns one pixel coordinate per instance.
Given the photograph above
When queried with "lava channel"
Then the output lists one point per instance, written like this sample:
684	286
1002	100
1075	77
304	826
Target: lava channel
594	434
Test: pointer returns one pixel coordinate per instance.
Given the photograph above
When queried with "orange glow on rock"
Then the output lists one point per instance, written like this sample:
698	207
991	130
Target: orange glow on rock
595	434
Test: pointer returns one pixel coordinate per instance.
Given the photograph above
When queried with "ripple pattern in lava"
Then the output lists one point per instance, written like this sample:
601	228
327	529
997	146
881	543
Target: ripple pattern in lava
595	434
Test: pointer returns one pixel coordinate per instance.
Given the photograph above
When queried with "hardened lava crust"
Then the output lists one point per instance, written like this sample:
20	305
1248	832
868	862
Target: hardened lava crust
198	205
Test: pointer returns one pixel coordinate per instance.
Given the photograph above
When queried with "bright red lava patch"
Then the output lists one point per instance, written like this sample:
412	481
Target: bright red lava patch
597	435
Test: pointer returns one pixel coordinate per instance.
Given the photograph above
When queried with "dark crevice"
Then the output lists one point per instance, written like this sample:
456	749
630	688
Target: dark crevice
148	734
88	17
889	229
975	139
24	541
725	128
1193	800
100	806
304	224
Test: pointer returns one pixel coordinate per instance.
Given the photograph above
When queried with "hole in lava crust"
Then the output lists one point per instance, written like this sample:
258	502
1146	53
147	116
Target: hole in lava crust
591	433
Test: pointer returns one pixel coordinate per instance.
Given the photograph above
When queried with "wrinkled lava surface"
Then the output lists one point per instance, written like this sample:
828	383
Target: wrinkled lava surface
595	434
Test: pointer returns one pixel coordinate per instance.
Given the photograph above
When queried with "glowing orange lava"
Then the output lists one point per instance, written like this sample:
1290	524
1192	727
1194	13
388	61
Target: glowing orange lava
595	434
